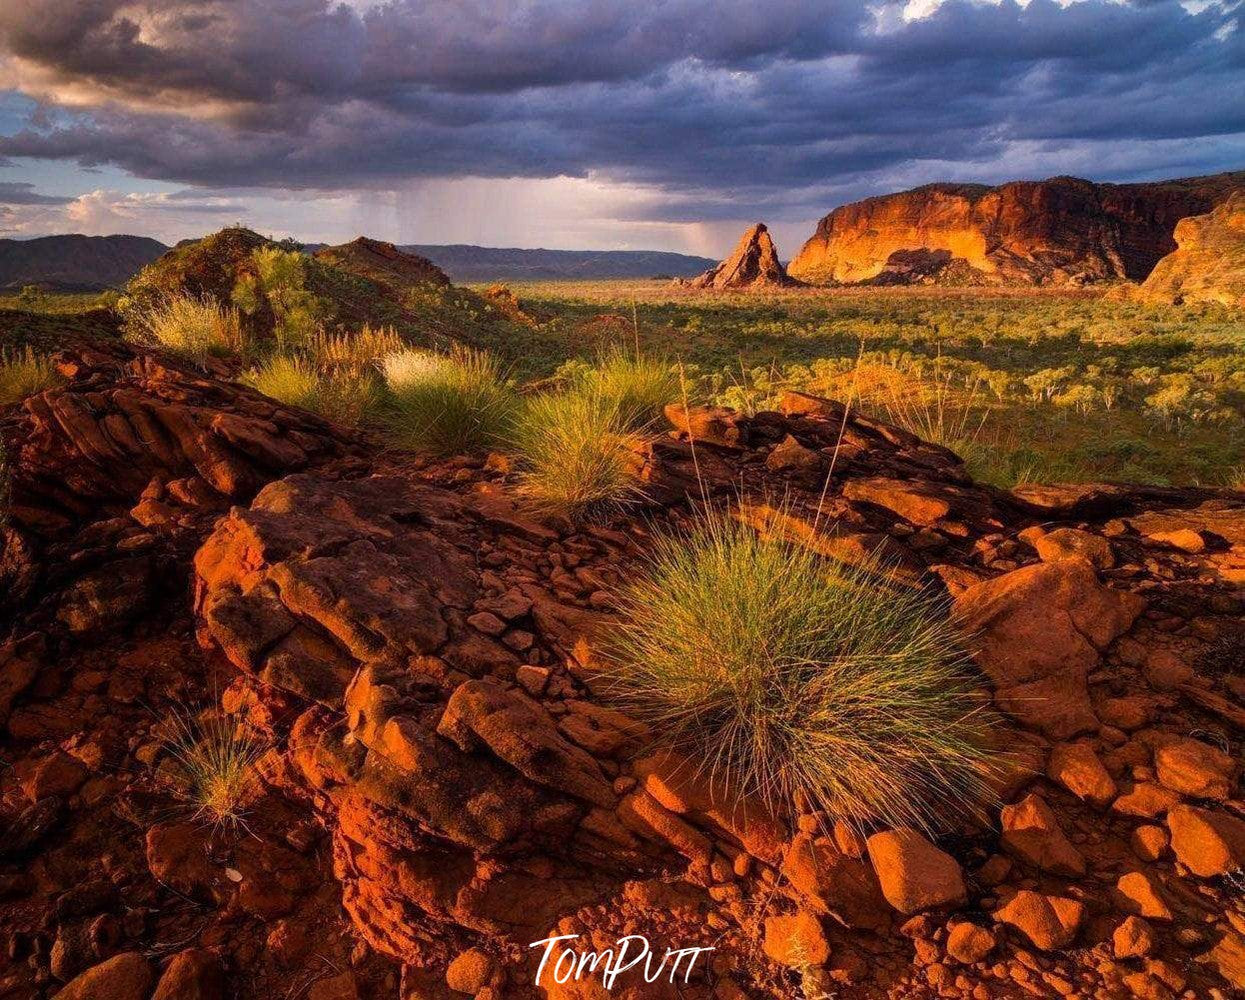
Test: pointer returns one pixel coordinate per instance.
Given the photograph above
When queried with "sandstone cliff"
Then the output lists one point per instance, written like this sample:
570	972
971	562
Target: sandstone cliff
1053	232
1208	264
753	263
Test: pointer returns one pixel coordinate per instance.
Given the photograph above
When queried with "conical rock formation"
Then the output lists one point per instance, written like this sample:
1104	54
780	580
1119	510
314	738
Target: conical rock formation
754	263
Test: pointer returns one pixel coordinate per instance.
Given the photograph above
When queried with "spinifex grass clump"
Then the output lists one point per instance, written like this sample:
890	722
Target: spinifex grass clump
790	678
213	761
193	327
576	455
287	379
448	403
24	373
341	395
639	386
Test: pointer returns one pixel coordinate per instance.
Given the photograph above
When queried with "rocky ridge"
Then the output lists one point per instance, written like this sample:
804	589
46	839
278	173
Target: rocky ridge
446	780
1061	231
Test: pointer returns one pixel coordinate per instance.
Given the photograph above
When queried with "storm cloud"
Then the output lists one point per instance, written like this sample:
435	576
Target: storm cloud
730	110
23	193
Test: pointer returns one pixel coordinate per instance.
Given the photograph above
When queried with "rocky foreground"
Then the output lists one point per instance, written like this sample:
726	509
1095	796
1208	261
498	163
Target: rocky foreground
445	781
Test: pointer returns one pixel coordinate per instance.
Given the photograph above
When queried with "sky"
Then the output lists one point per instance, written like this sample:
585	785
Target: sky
586	124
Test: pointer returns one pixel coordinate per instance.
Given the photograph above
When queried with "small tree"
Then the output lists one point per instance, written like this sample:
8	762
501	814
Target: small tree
31	297
279	280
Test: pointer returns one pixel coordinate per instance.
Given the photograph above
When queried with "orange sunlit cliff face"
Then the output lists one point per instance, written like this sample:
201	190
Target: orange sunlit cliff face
1061	231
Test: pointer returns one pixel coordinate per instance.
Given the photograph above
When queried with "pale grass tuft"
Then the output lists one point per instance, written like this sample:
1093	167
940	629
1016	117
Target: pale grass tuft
354	352
577	455
801	681
936	409
213	760
190	326
453	403
24	373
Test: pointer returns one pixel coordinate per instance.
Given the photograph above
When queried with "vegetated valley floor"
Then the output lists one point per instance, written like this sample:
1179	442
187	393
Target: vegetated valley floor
1030	384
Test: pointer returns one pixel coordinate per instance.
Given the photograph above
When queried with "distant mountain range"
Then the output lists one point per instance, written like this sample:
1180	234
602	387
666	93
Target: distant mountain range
471	263
93	263
75	263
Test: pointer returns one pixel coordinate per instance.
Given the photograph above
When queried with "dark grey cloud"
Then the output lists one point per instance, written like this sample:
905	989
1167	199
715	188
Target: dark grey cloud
20	193
739	106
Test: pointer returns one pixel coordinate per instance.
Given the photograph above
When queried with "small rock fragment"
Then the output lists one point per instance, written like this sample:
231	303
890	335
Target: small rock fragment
1050	922
914	874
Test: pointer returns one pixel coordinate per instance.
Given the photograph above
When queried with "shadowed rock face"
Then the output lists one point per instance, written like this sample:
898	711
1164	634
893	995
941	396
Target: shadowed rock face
1208	264
1054	232
754	263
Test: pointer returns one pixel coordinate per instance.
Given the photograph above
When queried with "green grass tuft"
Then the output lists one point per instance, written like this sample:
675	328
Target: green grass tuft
286	378
801	681
638	385
213	760
452	403
343	396
24	373
577	455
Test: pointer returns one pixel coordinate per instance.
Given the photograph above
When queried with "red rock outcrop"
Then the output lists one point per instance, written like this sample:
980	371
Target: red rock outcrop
383	263
135	451
480	793
753	263
445	779
1208	264
1053	232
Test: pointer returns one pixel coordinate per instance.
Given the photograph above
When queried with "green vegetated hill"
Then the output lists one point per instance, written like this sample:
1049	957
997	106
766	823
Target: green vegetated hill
338	288
53	329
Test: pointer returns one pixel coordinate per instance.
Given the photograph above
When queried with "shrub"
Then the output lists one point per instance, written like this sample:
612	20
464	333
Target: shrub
345	397
447	403
797	680
192	327
638	385
279	282
24	373
213	762
576	454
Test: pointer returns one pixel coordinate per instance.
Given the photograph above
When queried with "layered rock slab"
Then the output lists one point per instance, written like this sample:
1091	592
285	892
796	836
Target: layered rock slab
456	802
1038	633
